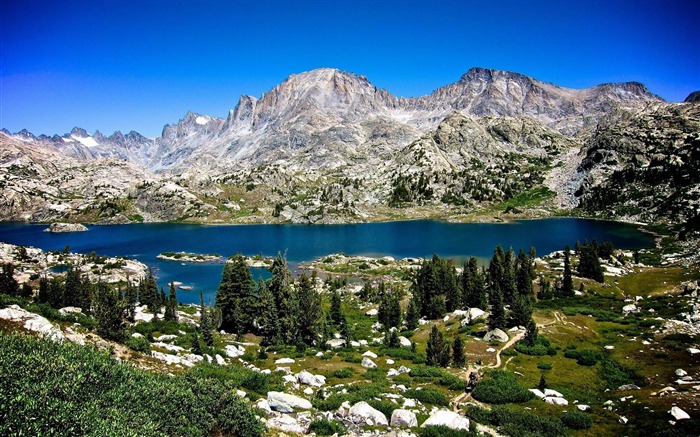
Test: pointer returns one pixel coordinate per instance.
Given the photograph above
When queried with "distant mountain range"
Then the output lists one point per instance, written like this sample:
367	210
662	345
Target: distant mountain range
328	146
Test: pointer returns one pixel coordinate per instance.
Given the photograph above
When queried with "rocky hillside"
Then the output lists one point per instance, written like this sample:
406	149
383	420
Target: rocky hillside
327	146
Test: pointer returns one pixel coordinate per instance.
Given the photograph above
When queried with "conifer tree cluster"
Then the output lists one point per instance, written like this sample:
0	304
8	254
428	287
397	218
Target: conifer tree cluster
589	262
280	310
440	352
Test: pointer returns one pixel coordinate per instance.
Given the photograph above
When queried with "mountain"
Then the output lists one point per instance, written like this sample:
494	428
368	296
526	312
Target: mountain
328	146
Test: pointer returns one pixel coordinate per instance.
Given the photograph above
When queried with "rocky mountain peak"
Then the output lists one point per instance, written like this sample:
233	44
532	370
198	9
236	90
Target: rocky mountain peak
79	132
693	97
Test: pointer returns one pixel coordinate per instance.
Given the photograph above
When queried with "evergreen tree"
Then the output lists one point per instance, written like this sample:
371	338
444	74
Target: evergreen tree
44	290
497	317
412	315
446	355
335	307
309	315
589	264
85	294
523	274
109	312
287	304
509	286
234	296
196	345
389	313
458	358
521	310
496	275
567	289
473	287
130	297
8	283
434	349
267	316
345	330
73	287
205	326
367	293
531	332
171	305
533	256
162	299
55	296
148	293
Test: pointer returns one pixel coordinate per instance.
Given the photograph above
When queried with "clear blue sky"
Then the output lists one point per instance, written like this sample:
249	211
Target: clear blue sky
137	65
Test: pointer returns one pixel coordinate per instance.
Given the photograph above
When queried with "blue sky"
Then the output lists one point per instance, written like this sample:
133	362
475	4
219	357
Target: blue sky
137	65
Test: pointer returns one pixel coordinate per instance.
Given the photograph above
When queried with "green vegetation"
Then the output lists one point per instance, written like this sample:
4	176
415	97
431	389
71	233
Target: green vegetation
326	427
80	391
500	387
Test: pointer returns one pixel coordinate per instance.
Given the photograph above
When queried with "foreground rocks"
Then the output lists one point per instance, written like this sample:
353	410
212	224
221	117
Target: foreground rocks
32	322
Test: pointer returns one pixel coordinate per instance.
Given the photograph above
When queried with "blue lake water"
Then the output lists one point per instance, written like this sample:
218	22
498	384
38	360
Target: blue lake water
306	242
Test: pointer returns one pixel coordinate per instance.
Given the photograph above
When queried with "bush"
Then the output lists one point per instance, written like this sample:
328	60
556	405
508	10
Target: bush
544	366
427	372
576	420
615	374
326	427
453	383
138	344
518	423
541	347
428	396
81	391
585	357
342	373
442	431
500	387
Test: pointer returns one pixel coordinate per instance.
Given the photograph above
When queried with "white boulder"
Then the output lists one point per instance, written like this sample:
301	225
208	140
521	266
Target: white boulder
367	363
286	403
234	351
550	392
308	378
554	400
286	423
538	393
404	342
369	354
583	407
403	419
372	312
679	414
285	361
447	418
362	412
631	308
496	335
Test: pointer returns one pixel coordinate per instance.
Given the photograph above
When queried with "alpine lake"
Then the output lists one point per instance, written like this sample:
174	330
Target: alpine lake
407	239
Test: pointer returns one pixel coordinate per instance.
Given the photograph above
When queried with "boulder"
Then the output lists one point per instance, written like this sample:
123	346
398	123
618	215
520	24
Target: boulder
404	369
367	363
583	407
550	392
286	423
285	361
628	387
475	314
67	310
263	406
679	414
32	322
372	312
496	335
693	351
369	354
404	342
403	419
234	351
681	372
631	308
362	412
335	343
286	403
537	393
447	418
220	360
554	400
307	378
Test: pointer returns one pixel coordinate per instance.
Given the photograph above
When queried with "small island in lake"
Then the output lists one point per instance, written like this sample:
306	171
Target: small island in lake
190	257
65	227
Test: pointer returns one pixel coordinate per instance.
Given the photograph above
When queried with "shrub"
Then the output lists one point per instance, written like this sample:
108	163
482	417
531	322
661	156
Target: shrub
501	387
453	383
427	371
81	391
544	366
576	420
428	396
326	427
541	347
342	373
585	357
518	423
615	374
138	344
442	431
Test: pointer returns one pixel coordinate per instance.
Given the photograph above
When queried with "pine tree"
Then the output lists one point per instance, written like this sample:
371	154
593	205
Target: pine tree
446	355
412	315
389	313
309	314
458	358
473	288
345	330
8	283
43	293
521	310
196	345
171	305
531	332
234	296
72	288
523	274
497	318
567	289
55	296
434	349
148	292
267	316
287	305
335	307
130	298
367	293
496	275
109	312
589	264
205	323
509	285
